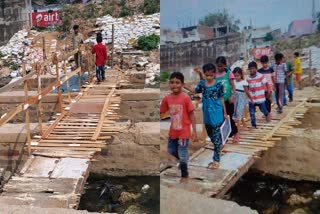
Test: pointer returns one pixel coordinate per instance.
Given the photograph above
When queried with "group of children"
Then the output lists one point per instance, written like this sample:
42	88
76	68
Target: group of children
225	94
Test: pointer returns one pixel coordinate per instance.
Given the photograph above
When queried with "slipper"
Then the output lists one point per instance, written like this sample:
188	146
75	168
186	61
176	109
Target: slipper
210	164
213	165
216	165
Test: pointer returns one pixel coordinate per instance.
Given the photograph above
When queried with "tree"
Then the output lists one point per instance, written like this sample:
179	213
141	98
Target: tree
220	19
318	25
268	37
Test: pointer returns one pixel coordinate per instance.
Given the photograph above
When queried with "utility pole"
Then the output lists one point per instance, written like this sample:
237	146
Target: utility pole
313	11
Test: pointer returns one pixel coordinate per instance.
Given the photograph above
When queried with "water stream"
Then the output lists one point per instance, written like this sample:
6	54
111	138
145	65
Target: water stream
269	194
122	194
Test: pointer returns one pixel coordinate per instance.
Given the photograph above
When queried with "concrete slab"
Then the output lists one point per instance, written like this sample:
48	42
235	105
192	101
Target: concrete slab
140	94
201	180
149	133
16	133
63	169
40	167
174	200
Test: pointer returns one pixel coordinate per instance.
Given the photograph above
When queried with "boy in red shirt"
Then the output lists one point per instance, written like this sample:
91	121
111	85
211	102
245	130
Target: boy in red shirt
182	116
101	57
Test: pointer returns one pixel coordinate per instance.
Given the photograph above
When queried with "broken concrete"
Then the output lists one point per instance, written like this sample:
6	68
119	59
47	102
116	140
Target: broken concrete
174	201
296	157
135	151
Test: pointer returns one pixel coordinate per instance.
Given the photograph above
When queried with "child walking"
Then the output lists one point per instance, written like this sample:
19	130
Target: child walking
101	57
257	87
280	69
182	116
214	110
298	69
241	100
269	74
288	82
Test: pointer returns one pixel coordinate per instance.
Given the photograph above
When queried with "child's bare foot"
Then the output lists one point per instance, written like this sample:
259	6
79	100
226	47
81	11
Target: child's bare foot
184	180
236	138
268	118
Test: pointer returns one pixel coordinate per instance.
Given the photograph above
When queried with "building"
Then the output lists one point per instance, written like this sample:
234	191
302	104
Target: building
197	33
14	16
299	28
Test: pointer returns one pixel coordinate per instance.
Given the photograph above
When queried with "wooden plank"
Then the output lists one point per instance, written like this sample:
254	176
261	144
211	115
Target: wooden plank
105	108
64	148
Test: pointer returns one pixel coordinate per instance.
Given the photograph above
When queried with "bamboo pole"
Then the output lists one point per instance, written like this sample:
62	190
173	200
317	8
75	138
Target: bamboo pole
39	99
310	66
44	48
27	109
56	62
79	65
67	82
112	46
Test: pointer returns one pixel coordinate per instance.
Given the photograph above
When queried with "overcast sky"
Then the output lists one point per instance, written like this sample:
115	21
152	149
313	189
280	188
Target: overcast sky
276	13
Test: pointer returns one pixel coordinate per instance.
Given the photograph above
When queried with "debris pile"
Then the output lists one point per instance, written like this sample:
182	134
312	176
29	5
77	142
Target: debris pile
315	58
126	29
19	48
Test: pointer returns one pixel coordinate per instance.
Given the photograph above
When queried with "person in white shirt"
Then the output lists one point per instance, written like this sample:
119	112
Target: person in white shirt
242	92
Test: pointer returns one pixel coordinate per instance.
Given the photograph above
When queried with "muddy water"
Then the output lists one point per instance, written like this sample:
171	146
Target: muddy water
268	194
121	194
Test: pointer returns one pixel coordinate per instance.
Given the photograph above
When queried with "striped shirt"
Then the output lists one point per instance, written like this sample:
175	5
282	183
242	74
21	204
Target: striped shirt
257	88
280	71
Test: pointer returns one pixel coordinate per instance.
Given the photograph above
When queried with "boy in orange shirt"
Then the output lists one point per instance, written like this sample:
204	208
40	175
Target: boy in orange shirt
182	116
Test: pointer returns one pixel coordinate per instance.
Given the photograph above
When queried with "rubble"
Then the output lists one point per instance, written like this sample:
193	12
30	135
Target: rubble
315	57
126	29
297	199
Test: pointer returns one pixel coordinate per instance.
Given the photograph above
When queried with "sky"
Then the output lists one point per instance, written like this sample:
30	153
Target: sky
275	13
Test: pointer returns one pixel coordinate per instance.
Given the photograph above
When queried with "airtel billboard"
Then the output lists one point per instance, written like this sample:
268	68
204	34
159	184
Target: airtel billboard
45	19
258	52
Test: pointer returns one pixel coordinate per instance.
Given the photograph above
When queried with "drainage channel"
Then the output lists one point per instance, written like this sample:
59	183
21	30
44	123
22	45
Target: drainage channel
271	194
131	194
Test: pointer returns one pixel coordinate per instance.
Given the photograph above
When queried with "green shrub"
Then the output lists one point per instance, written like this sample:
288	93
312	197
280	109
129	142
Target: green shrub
147	43
14	67
164	76
151	7
125	11
91	11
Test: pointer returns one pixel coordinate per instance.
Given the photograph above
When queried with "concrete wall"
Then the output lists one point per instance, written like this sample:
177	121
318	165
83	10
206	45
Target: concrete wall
135	151
175	56
12	154
296	157
140	105
13	17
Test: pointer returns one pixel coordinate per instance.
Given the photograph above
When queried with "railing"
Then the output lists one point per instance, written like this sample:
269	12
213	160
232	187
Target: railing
37	99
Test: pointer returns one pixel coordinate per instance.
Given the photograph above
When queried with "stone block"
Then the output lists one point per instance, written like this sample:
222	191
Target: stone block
149	133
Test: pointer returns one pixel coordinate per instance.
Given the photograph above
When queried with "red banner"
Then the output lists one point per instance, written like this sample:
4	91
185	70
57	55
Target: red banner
258	52
45	19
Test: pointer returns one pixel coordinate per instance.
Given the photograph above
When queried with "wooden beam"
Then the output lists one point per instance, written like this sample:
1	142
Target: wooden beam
27	109
39	99
102	116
